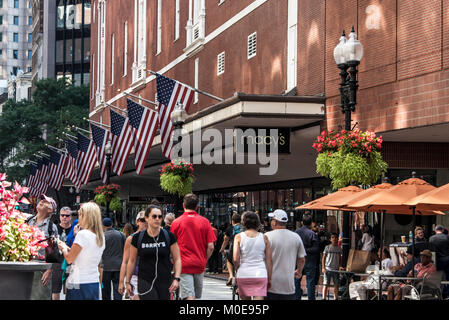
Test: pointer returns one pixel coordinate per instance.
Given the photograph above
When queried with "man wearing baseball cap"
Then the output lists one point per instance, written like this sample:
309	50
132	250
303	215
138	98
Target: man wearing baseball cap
45	207
288	256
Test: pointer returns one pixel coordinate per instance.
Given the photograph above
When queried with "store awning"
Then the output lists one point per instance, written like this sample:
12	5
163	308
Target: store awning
302	115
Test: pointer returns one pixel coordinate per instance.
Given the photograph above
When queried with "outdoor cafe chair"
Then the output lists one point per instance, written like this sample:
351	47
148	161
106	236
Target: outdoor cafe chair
428	289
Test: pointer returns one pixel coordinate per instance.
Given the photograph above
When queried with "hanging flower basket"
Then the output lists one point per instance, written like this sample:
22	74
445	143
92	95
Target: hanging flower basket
19	242
177	177
348	157
108	193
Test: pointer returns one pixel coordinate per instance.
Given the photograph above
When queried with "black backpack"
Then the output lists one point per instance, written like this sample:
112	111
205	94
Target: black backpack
52	254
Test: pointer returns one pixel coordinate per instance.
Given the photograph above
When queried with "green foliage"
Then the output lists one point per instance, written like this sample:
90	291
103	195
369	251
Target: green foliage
175	184
115	204
350	168
26	126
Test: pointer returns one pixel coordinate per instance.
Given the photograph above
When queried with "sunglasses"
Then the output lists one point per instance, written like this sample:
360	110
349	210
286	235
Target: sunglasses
156	216
65	215
142	220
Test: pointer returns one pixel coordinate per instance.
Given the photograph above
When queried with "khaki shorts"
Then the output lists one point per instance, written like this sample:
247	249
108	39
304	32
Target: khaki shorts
191	285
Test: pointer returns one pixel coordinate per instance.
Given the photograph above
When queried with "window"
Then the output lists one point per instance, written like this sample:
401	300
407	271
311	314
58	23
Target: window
197	65
221	63
30	37
196	25
177	19
14	70
15	54
16	4
15	37
30	69
112	58
1	3
16	20
30	20
1	36
252	45
140	31
1	52
30	54
1	19
125	51
159	26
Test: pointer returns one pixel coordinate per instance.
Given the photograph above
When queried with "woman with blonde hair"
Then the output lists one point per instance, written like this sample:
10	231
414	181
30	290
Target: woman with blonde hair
85	254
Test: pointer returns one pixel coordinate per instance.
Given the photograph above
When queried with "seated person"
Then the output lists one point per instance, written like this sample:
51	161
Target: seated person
397	290
403	270
358	289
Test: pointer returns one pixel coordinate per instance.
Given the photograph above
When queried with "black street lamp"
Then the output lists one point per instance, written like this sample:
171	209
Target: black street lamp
178	118
347	54
108	152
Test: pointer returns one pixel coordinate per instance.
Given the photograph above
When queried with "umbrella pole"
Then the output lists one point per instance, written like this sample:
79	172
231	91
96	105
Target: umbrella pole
413	242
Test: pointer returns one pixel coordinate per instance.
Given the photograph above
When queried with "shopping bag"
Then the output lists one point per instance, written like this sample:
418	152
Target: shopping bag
358	260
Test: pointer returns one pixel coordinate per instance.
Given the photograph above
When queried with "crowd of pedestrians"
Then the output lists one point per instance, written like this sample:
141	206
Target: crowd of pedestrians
168	255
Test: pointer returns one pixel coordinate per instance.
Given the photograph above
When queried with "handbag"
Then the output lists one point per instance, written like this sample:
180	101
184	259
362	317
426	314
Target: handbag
52	254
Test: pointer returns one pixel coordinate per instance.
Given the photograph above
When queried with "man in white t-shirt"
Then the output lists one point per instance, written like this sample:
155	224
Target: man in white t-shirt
288	256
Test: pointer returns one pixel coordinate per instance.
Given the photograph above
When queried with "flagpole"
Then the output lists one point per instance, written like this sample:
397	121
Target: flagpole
97	123
114	107
134	96
69	135
78	128
55	149
42	153
194	89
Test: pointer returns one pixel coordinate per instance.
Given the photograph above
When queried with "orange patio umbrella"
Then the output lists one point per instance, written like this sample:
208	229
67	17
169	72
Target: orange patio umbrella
393	200
436	199
345	202
323	202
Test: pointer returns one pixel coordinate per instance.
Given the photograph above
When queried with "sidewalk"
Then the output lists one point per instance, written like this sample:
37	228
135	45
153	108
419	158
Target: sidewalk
319	288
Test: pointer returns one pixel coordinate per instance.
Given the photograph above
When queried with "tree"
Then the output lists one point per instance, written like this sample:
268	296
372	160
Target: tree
26	126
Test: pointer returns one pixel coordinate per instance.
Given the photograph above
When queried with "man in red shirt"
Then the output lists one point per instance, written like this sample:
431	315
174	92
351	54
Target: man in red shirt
196	242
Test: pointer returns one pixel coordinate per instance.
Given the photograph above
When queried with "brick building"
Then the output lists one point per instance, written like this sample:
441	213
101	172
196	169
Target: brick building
279	56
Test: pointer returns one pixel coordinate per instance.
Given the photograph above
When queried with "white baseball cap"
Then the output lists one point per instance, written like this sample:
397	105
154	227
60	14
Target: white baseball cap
279	215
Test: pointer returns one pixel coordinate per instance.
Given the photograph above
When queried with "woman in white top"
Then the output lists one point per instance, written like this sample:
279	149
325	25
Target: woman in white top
252	259
85	255
367	239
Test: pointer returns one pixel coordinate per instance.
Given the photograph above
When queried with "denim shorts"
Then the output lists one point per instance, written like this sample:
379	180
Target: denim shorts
328	275
84	291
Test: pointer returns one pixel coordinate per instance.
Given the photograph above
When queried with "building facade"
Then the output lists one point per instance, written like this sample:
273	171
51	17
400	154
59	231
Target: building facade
15	37
284	69
61	45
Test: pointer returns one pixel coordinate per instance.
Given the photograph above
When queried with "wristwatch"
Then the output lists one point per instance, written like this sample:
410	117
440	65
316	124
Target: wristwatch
177	279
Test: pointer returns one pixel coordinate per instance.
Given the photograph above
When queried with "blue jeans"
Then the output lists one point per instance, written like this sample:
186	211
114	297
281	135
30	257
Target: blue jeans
310	270
110	277
86	291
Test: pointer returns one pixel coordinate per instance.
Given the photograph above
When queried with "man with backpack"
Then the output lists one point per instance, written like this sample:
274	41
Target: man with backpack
45	207
229	236
112	260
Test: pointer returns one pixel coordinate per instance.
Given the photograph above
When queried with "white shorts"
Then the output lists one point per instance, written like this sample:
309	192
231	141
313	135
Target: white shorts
133	282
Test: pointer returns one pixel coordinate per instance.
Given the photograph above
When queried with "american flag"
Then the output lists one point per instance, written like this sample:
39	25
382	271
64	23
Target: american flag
32	179
144	122
101	138
57	166
71	171
122	138
42	175
86	159
169	93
